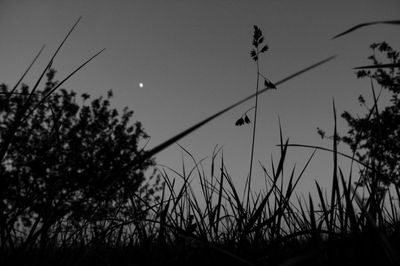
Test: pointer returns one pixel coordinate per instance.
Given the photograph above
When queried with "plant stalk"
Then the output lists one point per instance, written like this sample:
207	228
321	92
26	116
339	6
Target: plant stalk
254	135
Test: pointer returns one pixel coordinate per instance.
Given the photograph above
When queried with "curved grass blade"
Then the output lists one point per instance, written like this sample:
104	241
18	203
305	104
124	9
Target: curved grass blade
394	22
26	72
327	149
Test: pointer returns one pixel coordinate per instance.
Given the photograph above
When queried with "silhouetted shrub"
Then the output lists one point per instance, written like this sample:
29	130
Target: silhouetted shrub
64	163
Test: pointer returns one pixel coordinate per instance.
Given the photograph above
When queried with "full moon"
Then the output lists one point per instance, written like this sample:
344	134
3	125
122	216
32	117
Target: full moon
140	85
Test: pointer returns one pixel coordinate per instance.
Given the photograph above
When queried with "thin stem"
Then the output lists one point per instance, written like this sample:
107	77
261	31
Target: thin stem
249	110
254	134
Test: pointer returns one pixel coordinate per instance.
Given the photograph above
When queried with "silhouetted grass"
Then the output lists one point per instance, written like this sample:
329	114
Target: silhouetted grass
273	226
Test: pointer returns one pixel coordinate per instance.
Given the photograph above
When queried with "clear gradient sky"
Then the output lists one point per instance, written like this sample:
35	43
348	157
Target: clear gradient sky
193	59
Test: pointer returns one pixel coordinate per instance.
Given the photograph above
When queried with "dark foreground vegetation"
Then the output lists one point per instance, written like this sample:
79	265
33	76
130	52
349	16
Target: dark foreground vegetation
74	191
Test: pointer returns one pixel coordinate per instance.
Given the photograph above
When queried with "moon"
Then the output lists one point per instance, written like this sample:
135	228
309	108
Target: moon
141	84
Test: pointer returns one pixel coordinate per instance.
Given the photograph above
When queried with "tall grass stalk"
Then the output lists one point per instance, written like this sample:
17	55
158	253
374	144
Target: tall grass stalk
255	53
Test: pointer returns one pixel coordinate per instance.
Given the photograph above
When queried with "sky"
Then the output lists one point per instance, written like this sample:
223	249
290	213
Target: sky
193	60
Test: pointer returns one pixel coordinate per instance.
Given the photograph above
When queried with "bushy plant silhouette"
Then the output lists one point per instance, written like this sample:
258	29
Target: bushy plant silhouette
374	137
65	162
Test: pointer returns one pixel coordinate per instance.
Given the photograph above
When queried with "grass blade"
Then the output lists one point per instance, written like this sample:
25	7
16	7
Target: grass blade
313	221
330	150
323	205
351	214
394	22
26	72
379	66
140	159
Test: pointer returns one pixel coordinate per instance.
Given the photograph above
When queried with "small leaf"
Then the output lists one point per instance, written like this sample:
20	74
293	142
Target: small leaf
260	41
247	120
264	49
253	53
269	84
239	122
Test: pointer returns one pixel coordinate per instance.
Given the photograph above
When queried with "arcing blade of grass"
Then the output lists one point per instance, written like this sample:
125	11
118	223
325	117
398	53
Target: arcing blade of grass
327	149
26	72
393	22
141	158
